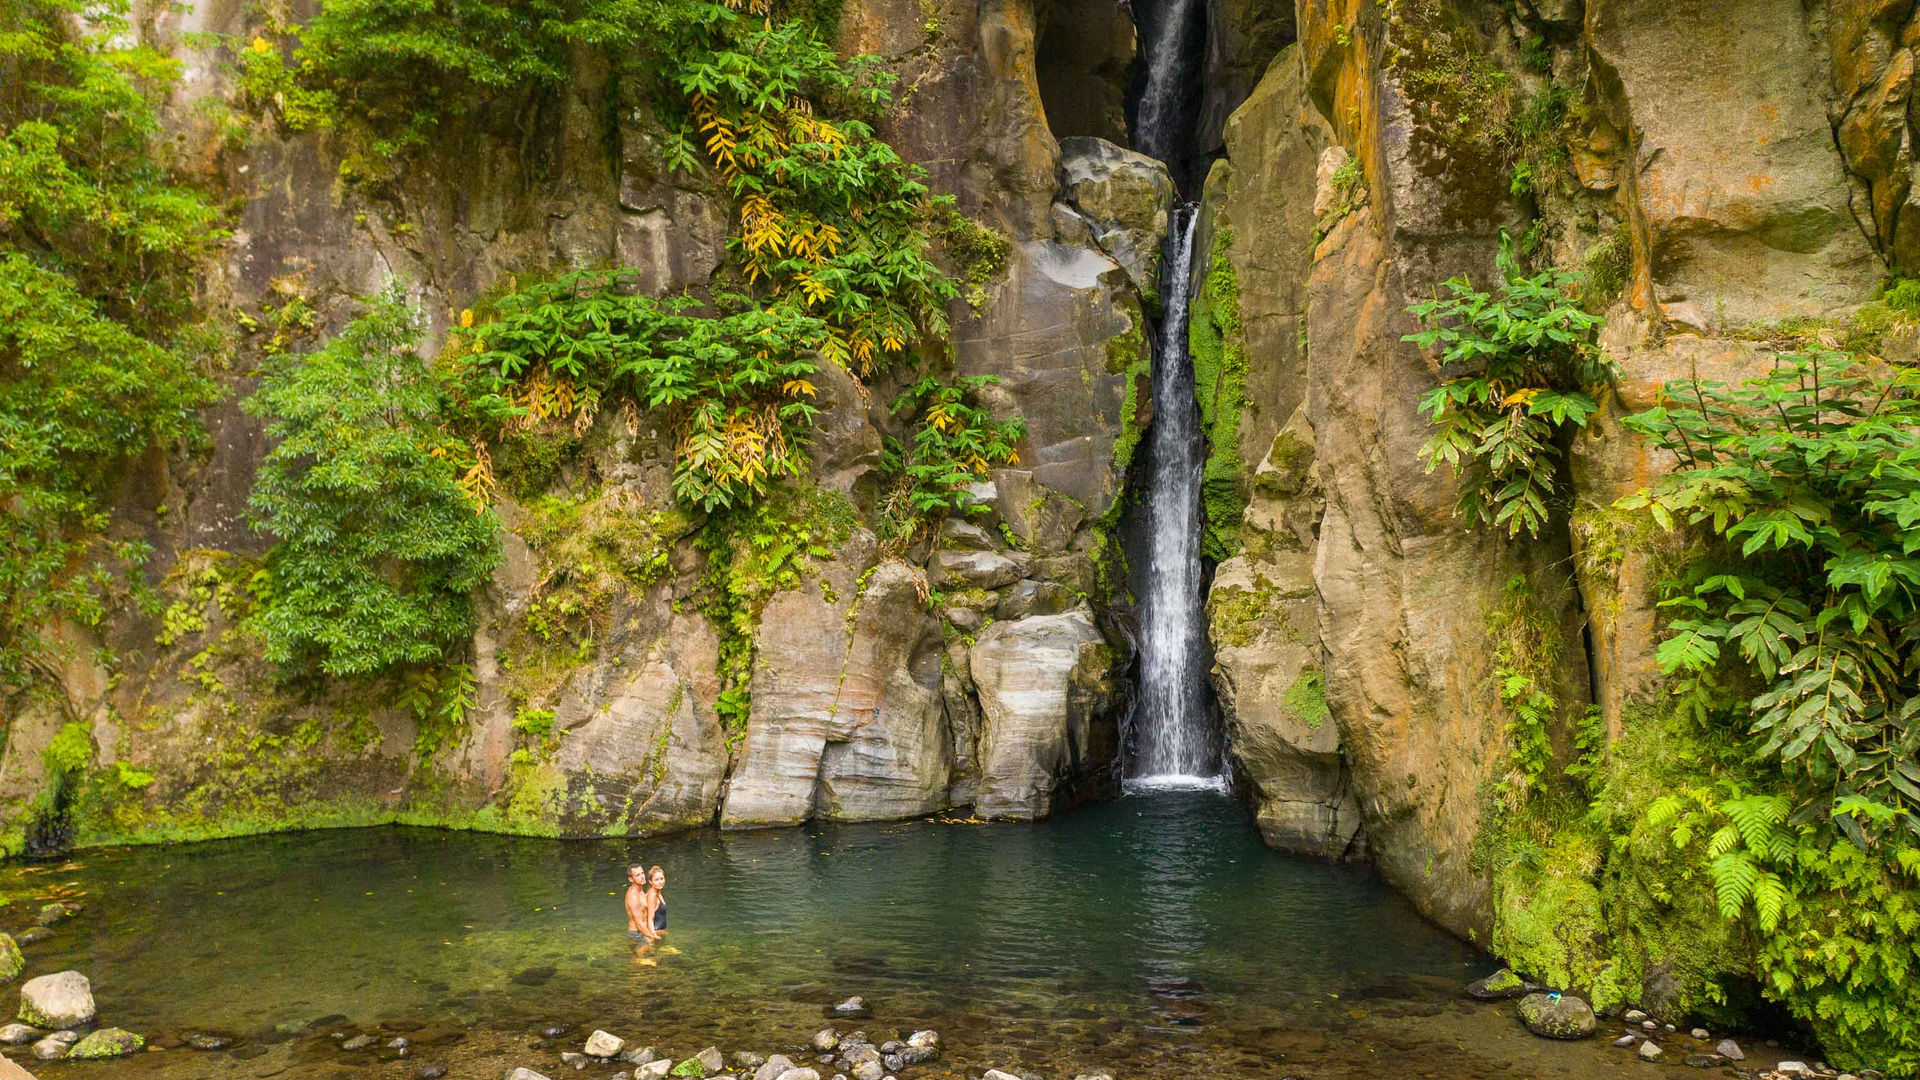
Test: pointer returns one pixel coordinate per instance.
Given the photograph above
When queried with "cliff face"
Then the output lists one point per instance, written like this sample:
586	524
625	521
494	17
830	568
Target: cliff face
1727	167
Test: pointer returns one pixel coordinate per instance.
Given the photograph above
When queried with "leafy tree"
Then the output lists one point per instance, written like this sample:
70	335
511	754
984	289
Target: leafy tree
954	441
1812	475
97	244
1527	371
379	545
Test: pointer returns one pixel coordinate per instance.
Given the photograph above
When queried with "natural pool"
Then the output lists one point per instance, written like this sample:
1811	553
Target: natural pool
1152	936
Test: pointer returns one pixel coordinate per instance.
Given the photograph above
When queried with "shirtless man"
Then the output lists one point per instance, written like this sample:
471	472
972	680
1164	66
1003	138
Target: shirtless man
639	922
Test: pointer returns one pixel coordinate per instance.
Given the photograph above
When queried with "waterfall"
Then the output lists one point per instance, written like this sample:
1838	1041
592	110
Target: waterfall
1174	733
1163	119
1174	740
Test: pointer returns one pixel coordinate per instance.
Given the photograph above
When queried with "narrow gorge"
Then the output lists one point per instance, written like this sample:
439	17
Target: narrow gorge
1218	522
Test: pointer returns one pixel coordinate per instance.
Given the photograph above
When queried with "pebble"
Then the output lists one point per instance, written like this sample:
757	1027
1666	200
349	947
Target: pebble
1670	1029
431	1072
398	1042
1730	1050
1634	1016
1699	1033
1648	1051
1625	1040
1650	1025
206	1040
525	1074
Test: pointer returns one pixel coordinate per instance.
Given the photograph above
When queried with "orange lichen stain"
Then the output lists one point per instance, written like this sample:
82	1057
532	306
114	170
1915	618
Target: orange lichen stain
1759	181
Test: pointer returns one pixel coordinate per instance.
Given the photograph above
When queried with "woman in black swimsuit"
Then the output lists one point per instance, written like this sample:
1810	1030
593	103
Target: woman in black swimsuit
656	901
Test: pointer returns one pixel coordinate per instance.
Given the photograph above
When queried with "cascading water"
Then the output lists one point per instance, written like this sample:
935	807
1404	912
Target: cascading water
1173	735
1174	740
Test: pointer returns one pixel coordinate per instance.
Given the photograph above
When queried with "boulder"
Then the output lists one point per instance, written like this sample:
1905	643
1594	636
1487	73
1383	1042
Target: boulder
60	1000
1044	686
601	1044
1125	198
848	721
107	1043
975	569
1649	1051
1557	1016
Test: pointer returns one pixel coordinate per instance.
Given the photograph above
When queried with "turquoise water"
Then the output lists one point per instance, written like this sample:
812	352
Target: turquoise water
1134	935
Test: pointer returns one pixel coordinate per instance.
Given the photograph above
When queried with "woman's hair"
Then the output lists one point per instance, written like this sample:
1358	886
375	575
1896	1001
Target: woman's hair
656	870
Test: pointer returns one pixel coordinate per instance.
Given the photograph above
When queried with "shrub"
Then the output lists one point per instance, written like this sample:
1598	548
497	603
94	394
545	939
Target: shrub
954	441
1527	370
379	547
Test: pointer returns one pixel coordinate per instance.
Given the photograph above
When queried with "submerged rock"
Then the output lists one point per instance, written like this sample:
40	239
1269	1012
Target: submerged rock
525	1074
55	1046
63	999
18	1035
852	1006
604	1045
1625	1041
11	962
1557	1016
107	1043
431	1072
358	1042
927	1038
32	935
57	912
826	1039
1649	1051
1498	986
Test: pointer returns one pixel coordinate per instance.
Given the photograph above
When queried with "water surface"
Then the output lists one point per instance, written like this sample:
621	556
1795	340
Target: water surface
1150	935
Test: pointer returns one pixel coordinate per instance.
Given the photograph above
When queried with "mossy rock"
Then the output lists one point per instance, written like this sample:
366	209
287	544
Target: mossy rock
690	1067
107	1043
1499	986
11	962
1557	1016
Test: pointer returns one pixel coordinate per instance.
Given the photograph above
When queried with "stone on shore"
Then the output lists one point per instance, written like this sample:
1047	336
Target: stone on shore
1649	1051
1726	1048
19	1035
107	1043
1626	1040
603	1044
653	1070
800	1074
1557	1016
63	999
711	1059
747	1059
868	1070
826	1039
773	1068
525	1074
996	1074
1499	986
924	1038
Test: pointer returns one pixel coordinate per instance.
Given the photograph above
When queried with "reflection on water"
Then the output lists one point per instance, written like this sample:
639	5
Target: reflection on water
1151	914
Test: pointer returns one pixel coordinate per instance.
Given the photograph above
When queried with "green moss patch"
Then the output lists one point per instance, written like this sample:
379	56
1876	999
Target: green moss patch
1216	340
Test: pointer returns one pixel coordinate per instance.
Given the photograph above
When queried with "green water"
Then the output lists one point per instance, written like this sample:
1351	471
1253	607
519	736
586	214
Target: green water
1149	935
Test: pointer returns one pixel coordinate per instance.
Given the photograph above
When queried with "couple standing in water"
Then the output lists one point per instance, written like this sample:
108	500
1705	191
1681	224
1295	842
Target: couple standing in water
646	903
